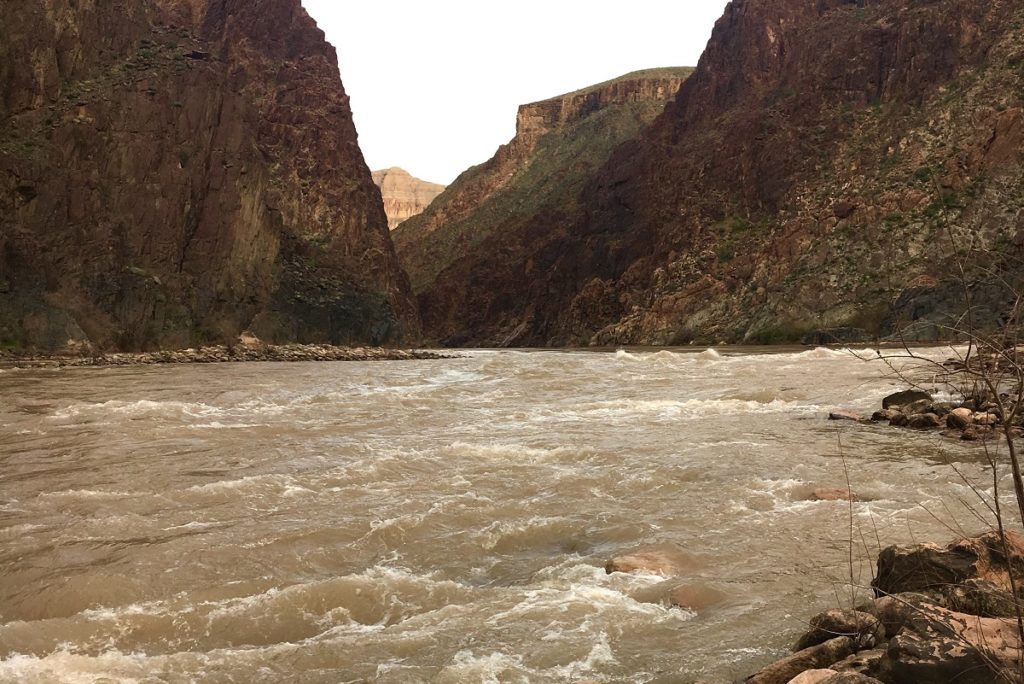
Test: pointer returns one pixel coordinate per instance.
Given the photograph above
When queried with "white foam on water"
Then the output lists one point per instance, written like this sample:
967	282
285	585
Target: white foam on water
452	376
498	667
630	409
87	494
194	525
586	599
825	353
244	484
296	490
492	668
66	667
14	530
709	355
143	408
217	425
510	530
600	654
505	451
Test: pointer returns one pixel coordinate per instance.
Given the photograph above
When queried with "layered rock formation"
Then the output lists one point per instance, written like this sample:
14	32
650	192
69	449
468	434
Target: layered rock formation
820	170
455	251
404	195
177	171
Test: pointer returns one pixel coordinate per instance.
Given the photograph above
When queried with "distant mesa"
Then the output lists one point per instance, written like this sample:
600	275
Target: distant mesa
404	195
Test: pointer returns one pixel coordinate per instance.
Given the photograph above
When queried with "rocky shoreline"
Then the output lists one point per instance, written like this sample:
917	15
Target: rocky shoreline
970	420
940	614
218	354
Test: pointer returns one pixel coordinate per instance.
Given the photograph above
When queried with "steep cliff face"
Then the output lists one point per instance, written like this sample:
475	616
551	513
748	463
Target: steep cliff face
175	171
404	195
817	171
820	170
465	251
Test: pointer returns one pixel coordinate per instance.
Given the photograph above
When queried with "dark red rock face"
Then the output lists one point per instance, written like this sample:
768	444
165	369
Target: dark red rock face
817	171
176	171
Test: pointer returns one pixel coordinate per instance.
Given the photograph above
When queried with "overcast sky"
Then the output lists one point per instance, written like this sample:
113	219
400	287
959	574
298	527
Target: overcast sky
435	84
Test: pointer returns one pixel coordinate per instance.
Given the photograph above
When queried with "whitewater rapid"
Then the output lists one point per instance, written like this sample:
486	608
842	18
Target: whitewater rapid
445	520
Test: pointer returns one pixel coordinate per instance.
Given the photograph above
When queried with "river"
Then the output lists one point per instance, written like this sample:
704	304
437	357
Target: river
446	520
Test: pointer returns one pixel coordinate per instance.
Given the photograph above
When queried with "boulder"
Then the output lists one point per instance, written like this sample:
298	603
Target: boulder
915	407
960	418
900	399
663	559
841	414
819	656
937	646
988	419
974	433
864	628
892	611
832	494
884	415
812	677
924	421
980	597
697	597
899	420
851	678
929	567
866	663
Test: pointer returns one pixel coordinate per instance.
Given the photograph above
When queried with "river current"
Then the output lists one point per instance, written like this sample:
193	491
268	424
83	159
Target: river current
447	520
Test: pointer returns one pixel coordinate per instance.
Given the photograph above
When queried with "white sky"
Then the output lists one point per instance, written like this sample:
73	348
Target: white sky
435	84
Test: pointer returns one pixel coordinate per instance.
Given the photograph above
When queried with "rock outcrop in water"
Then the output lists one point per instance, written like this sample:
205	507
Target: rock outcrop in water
176	171
404	195
817	171
471	255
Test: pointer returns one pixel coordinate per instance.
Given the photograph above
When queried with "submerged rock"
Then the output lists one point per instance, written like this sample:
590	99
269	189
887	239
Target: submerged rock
697	597
842	414
665	559
833	494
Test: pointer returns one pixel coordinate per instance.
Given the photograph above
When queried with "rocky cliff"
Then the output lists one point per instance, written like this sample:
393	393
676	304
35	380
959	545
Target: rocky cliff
455	252
177	171
822	169
404	195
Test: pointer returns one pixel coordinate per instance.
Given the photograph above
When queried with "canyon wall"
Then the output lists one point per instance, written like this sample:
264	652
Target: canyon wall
177	171
822	173
404	195
465	251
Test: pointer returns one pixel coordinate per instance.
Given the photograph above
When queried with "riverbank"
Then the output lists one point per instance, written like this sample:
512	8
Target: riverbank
219	354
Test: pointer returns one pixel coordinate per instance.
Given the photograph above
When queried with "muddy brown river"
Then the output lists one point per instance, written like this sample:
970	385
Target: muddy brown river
446	521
